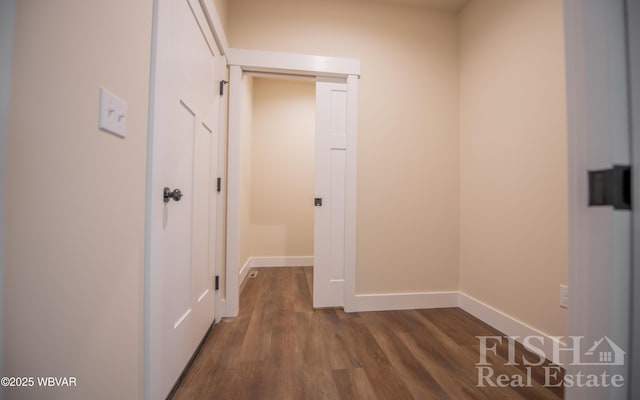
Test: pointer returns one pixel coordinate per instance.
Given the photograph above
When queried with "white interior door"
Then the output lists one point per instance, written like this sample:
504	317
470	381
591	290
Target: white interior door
181	242
633	35
330	185
599	138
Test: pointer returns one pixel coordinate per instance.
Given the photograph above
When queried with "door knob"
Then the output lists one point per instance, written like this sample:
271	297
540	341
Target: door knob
168	195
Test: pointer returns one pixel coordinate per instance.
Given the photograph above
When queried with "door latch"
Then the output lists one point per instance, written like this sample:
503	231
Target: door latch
317	202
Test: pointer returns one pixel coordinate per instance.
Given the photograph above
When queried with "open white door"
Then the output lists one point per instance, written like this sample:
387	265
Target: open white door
600	236
180	231
633	35
330	186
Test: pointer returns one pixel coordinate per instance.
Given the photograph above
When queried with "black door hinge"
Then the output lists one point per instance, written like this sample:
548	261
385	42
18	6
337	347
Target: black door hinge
611	187
217	283
219	185
222	83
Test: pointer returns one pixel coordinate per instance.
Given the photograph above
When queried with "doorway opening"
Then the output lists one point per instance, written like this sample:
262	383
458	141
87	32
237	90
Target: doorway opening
277	166
325	72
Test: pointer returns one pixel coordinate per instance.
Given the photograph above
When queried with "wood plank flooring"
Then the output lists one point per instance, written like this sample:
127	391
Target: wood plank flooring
280	348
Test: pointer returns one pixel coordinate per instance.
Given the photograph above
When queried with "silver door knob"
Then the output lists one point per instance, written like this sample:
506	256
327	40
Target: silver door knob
168	195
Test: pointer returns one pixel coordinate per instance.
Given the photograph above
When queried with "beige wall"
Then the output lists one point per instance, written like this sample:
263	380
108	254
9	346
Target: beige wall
407	126
75	199
461	142
282	178
513	252
246	138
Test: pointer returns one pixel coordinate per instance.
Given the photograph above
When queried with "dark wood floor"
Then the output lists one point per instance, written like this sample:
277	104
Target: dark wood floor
280	348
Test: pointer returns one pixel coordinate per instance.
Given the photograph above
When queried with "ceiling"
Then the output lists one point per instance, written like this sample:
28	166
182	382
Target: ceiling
447	5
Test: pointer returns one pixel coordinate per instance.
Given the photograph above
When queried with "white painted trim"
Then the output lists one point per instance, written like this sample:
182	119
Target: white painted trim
201	17
221	309
279	76
285	261
221	203
213	19
233	192
301	64
509	325
244	271
404	301
350	198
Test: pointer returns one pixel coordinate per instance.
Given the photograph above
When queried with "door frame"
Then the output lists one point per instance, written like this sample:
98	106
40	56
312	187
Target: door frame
283	64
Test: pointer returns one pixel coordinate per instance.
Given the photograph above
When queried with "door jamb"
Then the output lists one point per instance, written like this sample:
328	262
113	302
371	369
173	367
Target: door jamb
286	64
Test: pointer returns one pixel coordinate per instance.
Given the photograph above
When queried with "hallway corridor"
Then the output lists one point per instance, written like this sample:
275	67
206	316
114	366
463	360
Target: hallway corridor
280	348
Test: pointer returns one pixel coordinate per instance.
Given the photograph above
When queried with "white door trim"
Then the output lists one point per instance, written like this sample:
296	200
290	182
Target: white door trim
232	282
215	24
287	64
351	170
293	64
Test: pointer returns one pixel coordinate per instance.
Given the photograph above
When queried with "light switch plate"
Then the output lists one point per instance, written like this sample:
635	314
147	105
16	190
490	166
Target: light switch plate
564	296
113	113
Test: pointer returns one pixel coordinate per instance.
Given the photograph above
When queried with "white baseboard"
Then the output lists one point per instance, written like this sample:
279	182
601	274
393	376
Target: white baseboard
274	262
286	261
221	309
244	271
404	301
511	326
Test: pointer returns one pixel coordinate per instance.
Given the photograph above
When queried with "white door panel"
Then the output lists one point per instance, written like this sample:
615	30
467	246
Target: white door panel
329	235
185	105
633	35
202	193
600	237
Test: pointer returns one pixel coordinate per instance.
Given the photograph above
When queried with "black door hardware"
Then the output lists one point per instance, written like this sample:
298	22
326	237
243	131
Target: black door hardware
168	195
611	187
